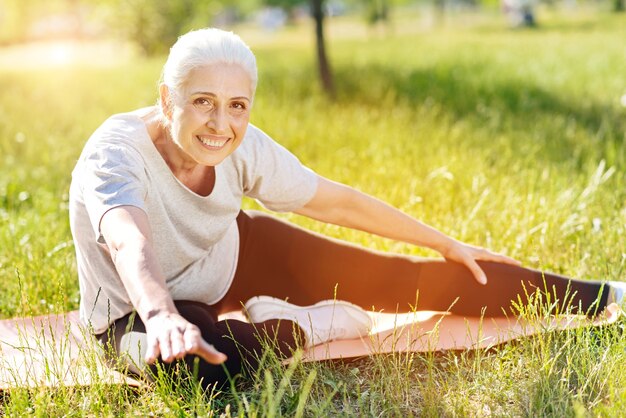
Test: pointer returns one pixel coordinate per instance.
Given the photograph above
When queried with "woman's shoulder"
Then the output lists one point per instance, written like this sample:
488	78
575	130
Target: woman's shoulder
255	142
259	153
121	127
119	131
121	140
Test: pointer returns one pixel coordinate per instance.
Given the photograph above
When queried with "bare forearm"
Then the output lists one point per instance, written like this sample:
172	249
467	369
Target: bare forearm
372	215
342	205
139	271
127	233
365	213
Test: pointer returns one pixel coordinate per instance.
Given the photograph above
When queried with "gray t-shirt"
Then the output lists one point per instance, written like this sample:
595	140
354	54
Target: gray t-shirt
195	237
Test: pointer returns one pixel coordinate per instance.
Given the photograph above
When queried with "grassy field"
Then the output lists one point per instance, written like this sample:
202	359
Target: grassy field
511	139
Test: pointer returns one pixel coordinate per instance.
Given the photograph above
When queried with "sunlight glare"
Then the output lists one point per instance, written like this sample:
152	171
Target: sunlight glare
60	54
63	53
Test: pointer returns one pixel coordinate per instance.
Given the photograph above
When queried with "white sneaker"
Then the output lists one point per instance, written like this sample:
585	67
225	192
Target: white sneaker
324	321
617	292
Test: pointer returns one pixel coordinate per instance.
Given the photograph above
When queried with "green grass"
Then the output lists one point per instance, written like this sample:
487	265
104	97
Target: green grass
514	140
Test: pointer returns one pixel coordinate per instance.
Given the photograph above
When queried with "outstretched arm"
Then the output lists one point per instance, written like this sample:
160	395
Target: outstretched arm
129	240
342	205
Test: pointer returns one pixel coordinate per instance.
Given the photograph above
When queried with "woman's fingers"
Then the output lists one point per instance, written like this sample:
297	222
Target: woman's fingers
192	339
507	260
166	339
469	255
195	344
487	255
152	351
483	254
179	339
177	342
478	273
209	353
165	346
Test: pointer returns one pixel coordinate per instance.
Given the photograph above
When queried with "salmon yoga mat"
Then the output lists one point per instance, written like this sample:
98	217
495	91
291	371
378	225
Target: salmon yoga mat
55	350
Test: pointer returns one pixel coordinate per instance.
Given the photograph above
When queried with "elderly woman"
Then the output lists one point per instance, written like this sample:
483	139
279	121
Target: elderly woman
163	247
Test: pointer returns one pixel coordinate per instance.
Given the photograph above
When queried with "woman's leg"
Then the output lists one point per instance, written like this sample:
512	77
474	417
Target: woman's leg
242	342
282	260
441	283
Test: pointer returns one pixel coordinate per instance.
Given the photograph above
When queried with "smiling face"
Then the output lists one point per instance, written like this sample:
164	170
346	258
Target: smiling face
209	118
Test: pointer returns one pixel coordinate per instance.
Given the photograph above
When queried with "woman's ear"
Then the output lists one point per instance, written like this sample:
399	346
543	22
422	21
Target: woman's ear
165	100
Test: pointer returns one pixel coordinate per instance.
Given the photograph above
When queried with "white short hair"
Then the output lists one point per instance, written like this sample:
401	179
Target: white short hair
206	47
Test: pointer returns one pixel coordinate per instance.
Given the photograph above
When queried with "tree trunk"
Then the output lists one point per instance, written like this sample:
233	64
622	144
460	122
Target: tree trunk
440	11
326	75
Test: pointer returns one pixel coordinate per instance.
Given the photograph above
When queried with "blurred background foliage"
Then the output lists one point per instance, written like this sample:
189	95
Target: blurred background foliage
154	24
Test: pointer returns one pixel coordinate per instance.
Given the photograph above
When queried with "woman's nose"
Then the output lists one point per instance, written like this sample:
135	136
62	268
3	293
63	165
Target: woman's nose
217	120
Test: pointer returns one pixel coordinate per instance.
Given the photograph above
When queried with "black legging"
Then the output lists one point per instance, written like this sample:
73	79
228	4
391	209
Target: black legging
279	259
242	342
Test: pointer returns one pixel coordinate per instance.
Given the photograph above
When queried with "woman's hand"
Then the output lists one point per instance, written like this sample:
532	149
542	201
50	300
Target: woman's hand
342	205
127	233
173	337
468	255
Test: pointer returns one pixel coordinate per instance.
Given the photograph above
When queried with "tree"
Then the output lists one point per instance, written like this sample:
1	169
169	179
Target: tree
377	11
154	25
18	16
326	76
15	20
317	11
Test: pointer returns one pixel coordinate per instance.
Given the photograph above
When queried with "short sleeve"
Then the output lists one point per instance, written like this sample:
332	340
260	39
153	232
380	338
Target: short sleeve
111	176
274	176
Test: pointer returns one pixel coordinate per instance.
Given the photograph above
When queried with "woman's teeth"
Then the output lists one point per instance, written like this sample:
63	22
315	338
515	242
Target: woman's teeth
212	142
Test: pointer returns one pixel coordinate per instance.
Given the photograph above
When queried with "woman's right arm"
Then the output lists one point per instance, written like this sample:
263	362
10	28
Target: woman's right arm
129	240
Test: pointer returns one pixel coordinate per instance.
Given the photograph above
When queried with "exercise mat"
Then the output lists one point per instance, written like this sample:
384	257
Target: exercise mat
56	350
424	331
52	350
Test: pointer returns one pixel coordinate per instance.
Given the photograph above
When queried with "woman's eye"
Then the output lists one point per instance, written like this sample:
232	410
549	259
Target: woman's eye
238	106
202	103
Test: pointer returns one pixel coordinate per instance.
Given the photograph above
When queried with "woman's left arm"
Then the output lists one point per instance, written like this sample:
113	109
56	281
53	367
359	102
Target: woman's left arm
342	205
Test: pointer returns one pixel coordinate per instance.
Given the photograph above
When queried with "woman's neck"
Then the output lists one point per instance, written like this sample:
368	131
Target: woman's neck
197	177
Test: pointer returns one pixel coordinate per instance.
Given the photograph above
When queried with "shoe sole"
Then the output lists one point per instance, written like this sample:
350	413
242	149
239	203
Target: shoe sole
356	312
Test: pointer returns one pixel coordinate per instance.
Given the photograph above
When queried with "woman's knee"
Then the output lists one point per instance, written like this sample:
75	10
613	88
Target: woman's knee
198	313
